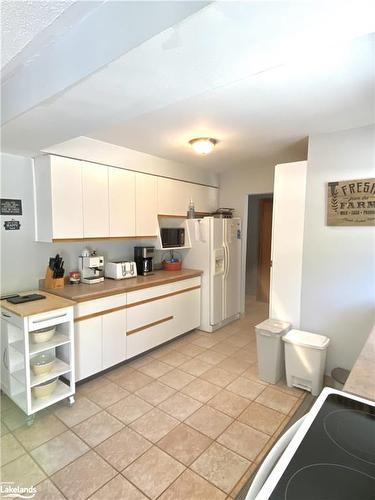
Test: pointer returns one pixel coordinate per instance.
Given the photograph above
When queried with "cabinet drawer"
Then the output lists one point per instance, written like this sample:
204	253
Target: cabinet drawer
50	318
99	305
12	318
148	312
149	336
158	291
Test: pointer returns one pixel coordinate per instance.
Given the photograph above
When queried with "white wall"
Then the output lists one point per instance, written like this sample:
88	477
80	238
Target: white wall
338	274
23	261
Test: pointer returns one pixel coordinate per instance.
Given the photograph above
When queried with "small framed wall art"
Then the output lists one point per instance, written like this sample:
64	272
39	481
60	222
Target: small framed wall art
351	203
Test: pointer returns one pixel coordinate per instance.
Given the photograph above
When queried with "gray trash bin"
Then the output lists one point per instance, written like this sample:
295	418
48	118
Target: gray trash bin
270	349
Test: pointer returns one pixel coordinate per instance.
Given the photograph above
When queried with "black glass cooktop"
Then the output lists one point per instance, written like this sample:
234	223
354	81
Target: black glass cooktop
336	459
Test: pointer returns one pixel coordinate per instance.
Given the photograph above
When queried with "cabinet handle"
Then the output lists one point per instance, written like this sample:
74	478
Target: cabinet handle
48	319
6	315
149	325
4	358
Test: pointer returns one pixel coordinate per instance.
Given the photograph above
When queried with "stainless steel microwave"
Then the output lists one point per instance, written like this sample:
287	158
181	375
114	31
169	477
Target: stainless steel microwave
172	237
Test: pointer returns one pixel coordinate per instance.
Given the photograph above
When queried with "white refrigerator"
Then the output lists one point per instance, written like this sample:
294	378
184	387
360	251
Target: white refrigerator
216	250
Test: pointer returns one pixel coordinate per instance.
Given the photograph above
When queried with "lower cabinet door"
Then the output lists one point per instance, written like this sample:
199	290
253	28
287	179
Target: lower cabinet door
186	310
114	338
88	347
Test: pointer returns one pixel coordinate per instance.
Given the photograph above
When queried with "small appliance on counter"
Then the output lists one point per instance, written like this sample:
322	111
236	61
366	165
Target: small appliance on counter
172	237
91	266
120	270
223	213
143	258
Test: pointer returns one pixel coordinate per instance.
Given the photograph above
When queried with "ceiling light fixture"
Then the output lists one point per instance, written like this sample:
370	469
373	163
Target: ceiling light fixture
203	145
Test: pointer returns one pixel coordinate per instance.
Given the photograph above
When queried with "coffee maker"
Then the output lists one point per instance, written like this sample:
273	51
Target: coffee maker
91	266
143	258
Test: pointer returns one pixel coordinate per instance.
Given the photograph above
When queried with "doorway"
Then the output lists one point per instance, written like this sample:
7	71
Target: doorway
258	255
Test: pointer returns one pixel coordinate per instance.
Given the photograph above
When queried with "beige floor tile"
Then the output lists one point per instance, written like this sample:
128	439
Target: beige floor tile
211	357
201	390
119	372
96	429
180	406
46	490
243	439
293	391
3	429
229	403
22	472
123	448
218	376
261	418
190	486
234	366
44	428
141	361
252	374
277	400
10	448
59	452
107	395
244	479
176	379
72	415
134	381
84	476
153	472
209	421
225	348
245	357
118	488
155	369
155	392
92	385
184	443
154	425
175	358
240	340
221	467
246	388
195	367
129	409
190	349
163	350
206	341
6	403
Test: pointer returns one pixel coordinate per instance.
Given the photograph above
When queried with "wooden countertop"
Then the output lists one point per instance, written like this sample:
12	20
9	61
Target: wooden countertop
50	303
83	292
361	380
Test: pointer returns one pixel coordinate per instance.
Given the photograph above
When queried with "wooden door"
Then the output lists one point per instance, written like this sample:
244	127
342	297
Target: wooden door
264	249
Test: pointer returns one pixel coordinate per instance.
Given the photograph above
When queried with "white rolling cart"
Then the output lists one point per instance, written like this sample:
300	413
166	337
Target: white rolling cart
18	349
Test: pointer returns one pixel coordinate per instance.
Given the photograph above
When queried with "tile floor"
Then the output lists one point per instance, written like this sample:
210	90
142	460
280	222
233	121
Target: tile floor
187	421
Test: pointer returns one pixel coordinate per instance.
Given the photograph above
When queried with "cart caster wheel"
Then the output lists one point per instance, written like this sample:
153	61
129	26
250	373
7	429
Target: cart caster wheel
30	420
71	400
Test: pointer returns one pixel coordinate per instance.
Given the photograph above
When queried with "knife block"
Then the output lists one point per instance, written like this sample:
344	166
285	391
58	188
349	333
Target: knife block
51	282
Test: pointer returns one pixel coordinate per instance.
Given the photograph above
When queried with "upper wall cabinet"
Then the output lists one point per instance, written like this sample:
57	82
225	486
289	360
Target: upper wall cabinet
58	198
95	200
174	197
121	189
146	205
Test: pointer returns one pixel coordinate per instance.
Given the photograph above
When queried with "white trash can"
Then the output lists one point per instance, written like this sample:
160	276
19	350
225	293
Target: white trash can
305	360
270	349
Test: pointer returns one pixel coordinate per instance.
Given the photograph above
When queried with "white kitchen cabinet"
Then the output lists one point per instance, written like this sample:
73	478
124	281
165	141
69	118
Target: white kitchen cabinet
58	198
205	198
121	189
113	338
173	197
146	205
88	347
95	200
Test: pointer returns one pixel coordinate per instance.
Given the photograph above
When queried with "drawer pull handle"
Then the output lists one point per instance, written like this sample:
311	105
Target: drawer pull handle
5	358
149	325
48	319
6	315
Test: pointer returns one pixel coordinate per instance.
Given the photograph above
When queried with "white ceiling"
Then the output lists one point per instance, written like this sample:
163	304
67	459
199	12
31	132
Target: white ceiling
23	21
258	76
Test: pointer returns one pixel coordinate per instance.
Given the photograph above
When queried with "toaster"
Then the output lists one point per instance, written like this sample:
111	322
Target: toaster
120	270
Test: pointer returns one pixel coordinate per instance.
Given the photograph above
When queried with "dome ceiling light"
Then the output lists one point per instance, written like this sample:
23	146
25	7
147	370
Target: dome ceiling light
203	145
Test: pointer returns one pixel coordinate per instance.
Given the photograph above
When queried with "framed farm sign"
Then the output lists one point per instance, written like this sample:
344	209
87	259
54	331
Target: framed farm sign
351	203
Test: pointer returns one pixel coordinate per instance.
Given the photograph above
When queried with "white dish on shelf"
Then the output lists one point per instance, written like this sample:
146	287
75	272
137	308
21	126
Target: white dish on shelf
42	335
45	389
42	363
